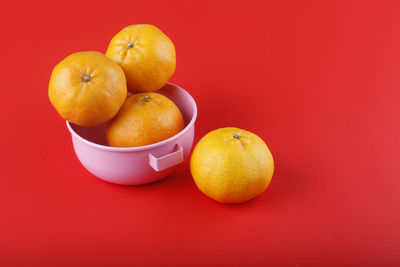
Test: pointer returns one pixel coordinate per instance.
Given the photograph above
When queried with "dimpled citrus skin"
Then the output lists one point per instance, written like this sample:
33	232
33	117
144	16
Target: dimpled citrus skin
231	165
87	88
146	55
144	119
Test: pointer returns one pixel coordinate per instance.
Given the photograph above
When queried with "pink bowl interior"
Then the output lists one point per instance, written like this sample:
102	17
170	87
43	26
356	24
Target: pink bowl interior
179	96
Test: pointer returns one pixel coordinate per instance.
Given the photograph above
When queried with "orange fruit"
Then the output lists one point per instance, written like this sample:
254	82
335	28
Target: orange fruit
87	88
231	165
146	55
144	119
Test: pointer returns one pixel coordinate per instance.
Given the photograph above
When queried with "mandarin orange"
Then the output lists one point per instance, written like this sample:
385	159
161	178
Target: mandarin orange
144	119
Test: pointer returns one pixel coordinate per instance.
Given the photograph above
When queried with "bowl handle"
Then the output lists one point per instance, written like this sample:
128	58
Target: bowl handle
166	161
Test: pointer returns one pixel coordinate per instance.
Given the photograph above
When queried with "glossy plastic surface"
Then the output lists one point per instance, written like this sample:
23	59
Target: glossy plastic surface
136	165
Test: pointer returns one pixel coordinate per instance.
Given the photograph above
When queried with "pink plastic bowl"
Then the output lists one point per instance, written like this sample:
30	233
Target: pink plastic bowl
136	165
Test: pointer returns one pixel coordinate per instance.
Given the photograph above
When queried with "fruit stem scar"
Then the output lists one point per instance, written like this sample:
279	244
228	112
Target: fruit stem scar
237	136
86	78
130	45
145	99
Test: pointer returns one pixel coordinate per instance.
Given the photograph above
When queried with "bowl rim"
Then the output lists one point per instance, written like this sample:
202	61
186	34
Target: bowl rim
147	147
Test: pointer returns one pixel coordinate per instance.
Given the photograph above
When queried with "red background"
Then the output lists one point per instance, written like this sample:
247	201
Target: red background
317	80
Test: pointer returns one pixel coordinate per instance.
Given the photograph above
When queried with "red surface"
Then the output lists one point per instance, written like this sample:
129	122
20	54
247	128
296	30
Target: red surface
317	80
